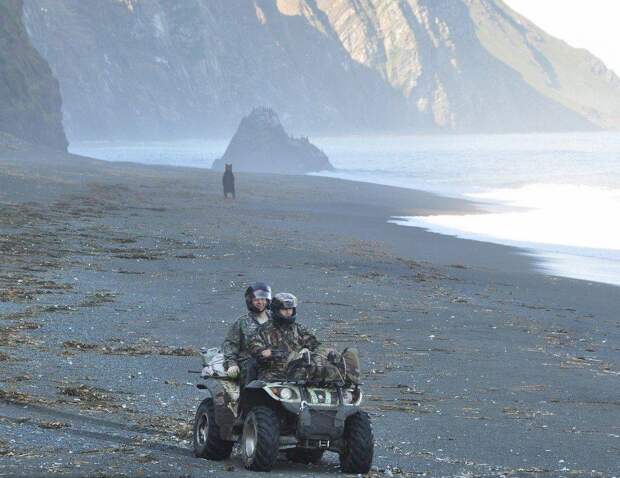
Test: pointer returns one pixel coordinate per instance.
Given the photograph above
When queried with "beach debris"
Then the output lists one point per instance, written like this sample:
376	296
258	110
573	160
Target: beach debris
97	298
19	378
524	414
591	363
74	344
137	254
460	300
147	458
52	425
123	240
143	346
15	396
537	387
178	428
5	449
186	256
11	336
390	472
85	393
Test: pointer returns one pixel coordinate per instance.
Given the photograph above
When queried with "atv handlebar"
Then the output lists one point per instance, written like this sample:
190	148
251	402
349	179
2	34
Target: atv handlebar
276	354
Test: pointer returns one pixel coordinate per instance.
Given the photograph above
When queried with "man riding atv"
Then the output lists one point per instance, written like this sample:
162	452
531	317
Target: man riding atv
235	346
302	416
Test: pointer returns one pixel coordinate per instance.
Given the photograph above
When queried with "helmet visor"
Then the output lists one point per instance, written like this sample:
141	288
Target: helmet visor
288	304
284	300
262	294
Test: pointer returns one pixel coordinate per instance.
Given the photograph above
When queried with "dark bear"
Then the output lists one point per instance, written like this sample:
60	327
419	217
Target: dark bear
228	181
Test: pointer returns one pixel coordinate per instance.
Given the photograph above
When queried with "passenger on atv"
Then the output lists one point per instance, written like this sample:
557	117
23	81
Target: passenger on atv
281	340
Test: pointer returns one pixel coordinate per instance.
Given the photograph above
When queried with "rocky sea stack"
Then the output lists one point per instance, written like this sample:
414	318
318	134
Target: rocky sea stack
261	145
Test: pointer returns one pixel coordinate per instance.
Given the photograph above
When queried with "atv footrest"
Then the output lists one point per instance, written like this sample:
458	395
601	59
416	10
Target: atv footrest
323	444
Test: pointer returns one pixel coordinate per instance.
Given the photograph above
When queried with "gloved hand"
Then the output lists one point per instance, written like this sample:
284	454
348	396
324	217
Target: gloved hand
233	371
332	355
303	353
206	372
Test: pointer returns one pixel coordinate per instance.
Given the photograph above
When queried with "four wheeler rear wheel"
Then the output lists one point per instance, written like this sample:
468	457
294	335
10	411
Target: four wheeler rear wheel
304	455
207	441
260	439
356	455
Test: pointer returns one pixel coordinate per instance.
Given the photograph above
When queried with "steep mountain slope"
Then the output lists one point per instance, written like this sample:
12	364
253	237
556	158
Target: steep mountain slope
573	77
153	68
156	68
29	95
432	52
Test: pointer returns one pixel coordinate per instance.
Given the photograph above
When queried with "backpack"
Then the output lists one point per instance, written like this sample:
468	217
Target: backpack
350	365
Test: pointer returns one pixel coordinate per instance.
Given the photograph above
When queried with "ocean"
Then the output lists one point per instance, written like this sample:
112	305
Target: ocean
555	196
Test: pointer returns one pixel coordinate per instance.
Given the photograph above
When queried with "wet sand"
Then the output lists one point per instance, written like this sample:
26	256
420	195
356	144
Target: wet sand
113	275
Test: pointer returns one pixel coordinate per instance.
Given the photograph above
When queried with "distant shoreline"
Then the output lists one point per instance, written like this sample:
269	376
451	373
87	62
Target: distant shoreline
558	259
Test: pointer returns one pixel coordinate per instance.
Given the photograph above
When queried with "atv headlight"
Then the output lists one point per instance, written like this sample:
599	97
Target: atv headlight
286	393
321	396
347	396
352	397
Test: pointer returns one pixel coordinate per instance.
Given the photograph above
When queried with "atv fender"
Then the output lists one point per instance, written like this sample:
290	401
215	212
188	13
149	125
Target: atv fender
256	384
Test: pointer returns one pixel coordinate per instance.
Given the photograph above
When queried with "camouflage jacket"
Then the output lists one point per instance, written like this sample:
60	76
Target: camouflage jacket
235	346
284	338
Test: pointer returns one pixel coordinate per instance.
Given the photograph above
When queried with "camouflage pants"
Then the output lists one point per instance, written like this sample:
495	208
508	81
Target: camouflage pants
228	395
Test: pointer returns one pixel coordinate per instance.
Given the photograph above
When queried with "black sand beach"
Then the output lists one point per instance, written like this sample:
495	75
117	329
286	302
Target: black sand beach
113	275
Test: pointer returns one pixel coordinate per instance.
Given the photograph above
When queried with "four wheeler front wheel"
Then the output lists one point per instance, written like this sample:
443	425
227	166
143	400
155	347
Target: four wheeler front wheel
260	439
207	441
356	455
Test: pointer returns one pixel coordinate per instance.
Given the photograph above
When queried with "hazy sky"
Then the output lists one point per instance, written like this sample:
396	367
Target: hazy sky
591	24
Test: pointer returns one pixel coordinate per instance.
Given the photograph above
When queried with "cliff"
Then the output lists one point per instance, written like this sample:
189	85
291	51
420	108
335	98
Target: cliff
262	145
442	56
29	95
161	69
573	77
157	69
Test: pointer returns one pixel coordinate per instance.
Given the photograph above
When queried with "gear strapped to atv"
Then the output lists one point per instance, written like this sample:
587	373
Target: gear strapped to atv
306	413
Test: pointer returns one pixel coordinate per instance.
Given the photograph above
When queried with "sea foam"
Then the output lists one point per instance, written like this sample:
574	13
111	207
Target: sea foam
573	229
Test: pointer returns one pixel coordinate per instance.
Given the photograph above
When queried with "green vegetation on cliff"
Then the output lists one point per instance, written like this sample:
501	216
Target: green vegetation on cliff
29	95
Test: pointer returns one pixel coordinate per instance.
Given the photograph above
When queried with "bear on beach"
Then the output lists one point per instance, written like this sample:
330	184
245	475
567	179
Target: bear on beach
228	181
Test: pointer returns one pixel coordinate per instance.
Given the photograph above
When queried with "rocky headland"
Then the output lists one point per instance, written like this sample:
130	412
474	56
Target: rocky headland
29	95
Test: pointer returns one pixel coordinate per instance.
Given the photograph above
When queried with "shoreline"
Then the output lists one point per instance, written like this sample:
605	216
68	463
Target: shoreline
580	263
115	274
548	259
437	204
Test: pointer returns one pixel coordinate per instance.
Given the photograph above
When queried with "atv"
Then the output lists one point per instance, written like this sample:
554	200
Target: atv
301	418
